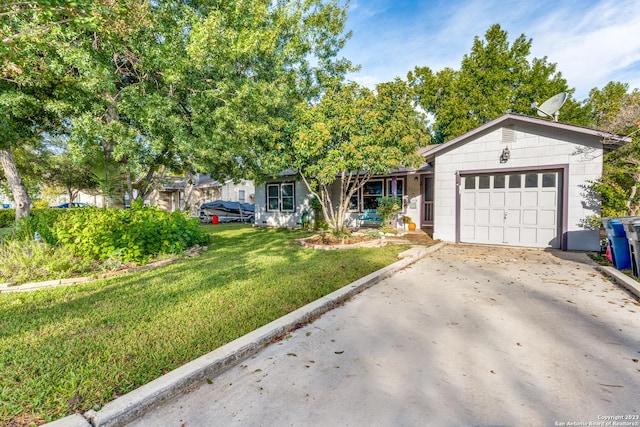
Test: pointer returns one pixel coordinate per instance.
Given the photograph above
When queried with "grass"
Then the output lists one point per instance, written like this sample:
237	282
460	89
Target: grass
4	232
70	349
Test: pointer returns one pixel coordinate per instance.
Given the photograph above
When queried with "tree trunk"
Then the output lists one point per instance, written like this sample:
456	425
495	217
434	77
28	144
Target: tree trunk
19	191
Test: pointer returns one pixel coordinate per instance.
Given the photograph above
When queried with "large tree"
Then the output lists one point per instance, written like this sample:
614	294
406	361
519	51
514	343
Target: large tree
350	135
495	78
616	109
178	85
41	82
206	85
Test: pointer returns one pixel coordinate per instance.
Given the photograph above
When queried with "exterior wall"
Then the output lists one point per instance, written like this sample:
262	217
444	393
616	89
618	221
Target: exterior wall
265	218
412	204
534	146
230	192
413	198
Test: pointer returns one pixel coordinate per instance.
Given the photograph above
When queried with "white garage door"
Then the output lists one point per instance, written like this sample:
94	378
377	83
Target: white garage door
519	209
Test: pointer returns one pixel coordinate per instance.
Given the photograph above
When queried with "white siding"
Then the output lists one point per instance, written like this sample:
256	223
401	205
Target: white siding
266	218
534	146
230	191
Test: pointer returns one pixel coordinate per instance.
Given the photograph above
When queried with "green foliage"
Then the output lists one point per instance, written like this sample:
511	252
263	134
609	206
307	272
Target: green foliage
42	221
61	345
7	217
30	261
352	134
318	218
129	235
388	207
495	78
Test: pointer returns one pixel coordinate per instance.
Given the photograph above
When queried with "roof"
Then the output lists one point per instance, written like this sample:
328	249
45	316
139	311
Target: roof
612	139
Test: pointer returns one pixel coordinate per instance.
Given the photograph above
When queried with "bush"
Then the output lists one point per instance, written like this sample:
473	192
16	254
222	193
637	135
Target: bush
41	221
128	235
388	207
27	260
7	217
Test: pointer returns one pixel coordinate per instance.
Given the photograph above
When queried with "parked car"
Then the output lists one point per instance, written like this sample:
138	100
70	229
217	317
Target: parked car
73	205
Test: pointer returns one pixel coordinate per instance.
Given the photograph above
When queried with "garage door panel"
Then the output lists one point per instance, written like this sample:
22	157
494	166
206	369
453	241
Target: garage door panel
498	199
496	235
512	234
530	216
523	209
529	235
514	198
548	218
548	199
530	199
467	234
513	217
483	198
497	216
482	216
482	233
548	235
468	216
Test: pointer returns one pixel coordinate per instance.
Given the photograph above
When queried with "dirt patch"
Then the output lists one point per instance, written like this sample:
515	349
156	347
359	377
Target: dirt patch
414	239
330	242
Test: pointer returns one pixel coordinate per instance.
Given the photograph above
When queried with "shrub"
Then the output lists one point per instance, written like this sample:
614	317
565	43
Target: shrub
41	221
125	235
7	217
388	207
135	234
27	260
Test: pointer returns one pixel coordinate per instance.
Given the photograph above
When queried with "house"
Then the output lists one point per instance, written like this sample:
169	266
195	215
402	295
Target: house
517	180
180	193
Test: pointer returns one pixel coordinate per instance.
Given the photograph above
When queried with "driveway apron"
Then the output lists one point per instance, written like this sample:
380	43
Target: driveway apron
470	335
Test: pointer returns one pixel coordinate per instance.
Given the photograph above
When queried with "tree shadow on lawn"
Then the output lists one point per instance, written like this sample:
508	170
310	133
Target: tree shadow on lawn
150	322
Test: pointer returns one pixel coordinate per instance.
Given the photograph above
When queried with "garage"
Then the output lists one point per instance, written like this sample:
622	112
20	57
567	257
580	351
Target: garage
517	208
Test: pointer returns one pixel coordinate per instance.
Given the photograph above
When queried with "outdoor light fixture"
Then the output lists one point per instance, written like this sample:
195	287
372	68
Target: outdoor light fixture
415	178
506	154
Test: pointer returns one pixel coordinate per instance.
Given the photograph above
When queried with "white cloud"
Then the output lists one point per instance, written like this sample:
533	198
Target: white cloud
594	48
592	41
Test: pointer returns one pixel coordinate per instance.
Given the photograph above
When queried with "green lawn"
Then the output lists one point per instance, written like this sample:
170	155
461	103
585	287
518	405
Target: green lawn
71	348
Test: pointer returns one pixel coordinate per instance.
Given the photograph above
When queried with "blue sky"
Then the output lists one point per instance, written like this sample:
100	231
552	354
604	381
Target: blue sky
592	41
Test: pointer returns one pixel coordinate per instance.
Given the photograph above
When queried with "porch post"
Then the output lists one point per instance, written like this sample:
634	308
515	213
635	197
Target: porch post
394	193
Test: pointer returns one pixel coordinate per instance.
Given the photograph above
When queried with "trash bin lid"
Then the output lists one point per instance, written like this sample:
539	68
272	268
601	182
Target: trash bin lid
615	228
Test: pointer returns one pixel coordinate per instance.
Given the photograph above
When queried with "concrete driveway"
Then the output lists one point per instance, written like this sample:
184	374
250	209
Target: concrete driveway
469	335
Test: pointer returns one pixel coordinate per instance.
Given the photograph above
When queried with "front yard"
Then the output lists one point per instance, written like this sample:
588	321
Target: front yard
70	349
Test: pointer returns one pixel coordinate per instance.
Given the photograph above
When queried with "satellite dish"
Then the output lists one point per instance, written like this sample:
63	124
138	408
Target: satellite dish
551	106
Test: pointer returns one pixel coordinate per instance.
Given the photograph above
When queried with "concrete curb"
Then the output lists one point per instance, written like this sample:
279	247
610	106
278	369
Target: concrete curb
135	403
622	279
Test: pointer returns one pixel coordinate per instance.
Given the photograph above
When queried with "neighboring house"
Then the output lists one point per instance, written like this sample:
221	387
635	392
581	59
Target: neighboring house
517	180
180	193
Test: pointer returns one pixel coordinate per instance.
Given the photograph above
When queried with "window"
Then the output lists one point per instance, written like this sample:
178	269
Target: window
514	181
367	197
484	181
399	187
531	180
498	181
548	179
280	197
354	202
469	182
241	196
371	192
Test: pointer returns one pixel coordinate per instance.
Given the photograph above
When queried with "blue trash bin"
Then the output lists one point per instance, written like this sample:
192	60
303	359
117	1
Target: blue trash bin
618	243
632	230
